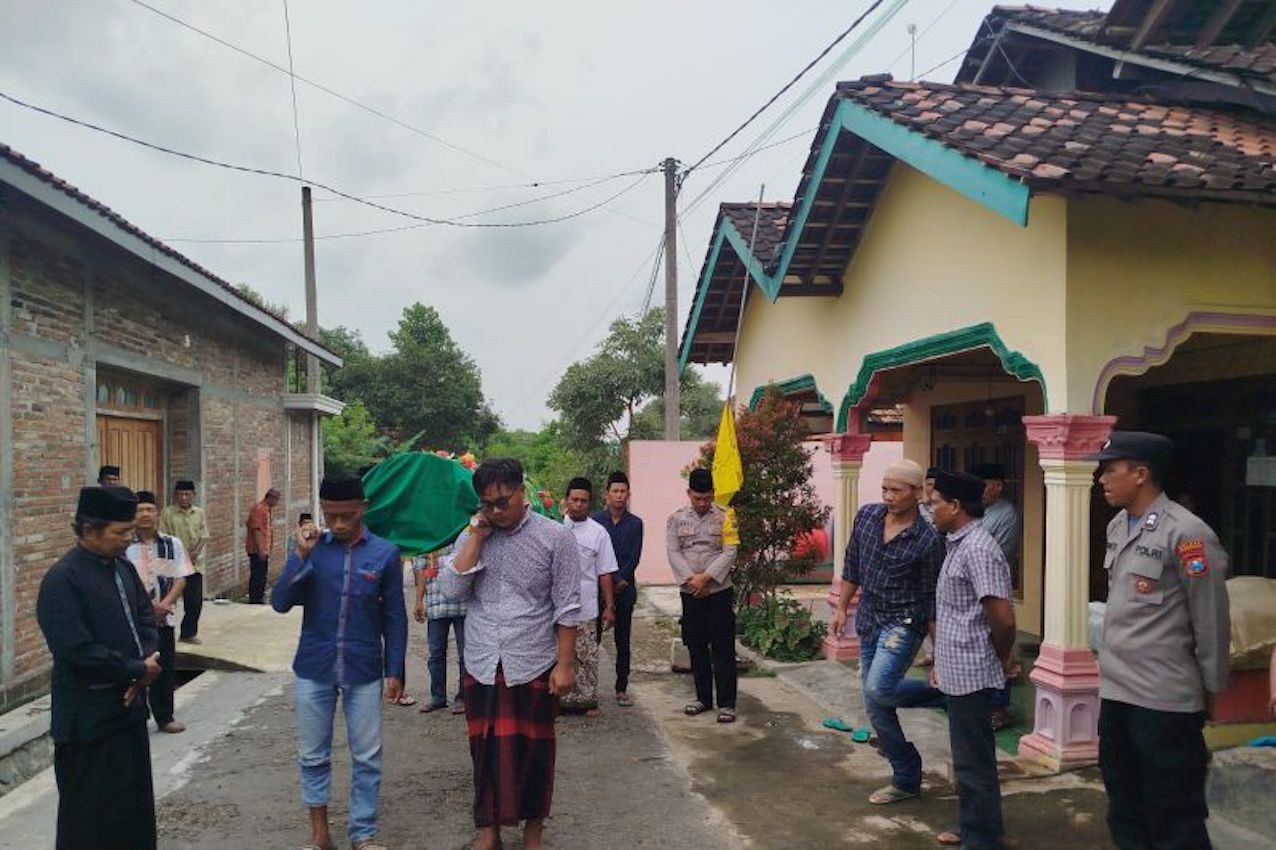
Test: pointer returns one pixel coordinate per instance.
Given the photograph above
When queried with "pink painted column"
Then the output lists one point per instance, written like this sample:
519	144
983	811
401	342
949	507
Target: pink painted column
847	453
1065	731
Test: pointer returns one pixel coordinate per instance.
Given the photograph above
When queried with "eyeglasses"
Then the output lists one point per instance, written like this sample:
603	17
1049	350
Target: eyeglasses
500	504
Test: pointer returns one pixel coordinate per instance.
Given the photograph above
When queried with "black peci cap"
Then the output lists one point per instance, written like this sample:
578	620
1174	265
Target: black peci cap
989	471
700	481
341	490
960	486
1152	449
113	504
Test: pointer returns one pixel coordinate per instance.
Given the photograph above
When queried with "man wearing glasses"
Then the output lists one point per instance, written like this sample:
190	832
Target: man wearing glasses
519	573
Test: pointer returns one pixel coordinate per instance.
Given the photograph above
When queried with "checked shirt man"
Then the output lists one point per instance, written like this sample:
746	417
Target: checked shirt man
894	555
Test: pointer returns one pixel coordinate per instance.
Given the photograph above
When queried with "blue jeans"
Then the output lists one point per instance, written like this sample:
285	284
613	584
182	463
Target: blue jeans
436	636
885	656
316	705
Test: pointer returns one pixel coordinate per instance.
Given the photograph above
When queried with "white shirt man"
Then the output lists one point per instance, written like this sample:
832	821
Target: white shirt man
597	564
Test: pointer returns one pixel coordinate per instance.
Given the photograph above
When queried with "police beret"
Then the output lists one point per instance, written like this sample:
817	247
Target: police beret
113	504
146	497
341	490
960	486
184	484
700	481
1139	446
989	471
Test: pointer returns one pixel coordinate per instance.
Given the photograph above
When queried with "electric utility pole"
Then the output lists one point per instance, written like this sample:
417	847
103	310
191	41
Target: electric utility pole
673	402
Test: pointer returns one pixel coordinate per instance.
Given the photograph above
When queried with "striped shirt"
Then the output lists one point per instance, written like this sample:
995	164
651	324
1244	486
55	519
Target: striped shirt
526	581
974	569
898	578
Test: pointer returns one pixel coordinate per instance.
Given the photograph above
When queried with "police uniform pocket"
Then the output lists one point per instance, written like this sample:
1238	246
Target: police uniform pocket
1146	581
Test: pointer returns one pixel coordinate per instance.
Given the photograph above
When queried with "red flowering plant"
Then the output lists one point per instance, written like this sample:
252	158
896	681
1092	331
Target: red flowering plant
776	507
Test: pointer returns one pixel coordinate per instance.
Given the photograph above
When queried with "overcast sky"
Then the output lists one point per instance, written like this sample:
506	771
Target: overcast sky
535	91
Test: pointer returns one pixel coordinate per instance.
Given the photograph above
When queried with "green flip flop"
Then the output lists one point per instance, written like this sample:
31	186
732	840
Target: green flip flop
837	724
860	736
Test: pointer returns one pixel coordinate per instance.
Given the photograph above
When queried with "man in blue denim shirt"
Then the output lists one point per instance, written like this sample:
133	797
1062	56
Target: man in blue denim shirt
895	555
354	632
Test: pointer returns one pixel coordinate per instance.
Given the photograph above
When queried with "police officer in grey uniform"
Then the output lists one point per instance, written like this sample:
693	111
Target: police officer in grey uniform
701	563
1165	644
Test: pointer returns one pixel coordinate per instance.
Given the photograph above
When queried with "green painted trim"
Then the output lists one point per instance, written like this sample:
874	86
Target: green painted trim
980	183
792	386
770	286
983	335
702	291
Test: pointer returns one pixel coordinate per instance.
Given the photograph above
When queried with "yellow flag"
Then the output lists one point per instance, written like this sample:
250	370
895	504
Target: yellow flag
728	471
730	531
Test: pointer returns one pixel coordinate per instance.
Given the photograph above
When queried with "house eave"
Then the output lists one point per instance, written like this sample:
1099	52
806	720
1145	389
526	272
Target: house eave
54	198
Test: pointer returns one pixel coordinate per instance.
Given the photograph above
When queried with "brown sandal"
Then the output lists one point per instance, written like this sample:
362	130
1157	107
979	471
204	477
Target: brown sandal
949	839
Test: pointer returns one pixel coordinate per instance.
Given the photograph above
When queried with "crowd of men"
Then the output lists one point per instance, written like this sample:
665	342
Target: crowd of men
529	600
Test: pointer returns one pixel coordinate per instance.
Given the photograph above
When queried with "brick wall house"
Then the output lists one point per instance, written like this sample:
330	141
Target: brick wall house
115	349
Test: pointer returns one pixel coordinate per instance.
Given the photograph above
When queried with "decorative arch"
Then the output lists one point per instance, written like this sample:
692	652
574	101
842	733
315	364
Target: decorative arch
1197	321
791	386
982	335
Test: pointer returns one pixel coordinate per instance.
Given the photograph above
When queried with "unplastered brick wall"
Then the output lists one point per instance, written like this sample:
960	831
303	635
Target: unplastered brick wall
223	374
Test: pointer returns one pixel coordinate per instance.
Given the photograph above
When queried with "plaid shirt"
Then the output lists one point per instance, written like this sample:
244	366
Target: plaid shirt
974	568
437	606
898	578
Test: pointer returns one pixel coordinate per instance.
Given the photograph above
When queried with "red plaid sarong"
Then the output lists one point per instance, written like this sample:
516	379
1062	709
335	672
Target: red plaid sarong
512	745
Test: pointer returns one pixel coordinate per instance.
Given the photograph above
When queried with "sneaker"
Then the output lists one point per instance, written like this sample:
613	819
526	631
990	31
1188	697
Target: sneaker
172	727
458	706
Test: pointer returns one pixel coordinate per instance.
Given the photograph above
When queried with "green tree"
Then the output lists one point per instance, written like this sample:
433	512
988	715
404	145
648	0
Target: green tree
426	385
701	403
350	441
615	395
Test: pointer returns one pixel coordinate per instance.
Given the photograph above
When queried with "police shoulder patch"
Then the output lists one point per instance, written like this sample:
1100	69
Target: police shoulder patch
1191	555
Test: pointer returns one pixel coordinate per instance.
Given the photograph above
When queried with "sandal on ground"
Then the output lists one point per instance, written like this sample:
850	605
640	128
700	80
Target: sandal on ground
433	706
860	735
837	724
949	839
368	844
726	715
405	700
624	699
890	794
328	846
694	708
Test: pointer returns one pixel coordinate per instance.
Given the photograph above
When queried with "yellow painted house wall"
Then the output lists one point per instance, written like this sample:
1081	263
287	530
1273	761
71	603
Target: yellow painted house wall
930	262
1137	269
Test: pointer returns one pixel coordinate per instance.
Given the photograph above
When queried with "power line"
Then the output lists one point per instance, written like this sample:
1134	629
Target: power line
534	184
922	34
590	327
405	227
947	61
372	110
264	172
790	84
292	84
815	86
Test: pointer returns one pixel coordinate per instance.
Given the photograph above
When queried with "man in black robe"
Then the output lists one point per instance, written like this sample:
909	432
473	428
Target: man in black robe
96	617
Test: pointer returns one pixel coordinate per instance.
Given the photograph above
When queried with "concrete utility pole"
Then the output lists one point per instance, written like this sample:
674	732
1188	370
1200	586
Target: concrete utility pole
312	330
673	402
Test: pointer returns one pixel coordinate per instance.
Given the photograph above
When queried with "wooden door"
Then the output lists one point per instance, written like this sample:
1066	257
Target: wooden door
135	446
